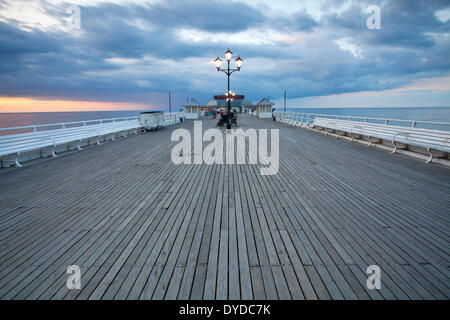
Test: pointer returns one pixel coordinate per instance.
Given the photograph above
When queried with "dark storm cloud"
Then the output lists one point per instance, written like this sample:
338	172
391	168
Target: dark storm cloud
214	16
14	41
404	23
60	64
296	21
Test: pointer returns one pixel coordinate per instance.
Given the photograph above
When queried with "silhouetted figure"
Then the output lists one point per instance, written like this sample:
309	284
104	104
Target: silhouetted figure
223	118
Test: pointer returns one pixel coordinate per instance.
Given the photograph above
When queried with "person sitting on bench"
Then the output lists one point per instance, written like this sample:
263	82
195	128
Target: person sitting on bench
233	118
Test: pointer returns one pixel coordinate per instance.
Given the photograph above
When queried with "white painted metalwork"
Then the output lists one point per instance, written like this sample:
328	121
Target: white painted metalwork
434	136
297	118
17	141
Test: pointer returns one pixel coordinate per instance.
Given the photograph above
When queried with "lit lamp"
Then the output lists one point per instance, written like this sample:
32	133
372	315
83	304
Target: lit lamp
228	71
228	55
218	62
239	63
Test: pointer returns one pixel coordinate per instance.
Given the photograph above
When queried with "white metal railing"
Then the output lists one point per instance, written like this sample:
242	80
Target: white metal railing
168	118
435	137
63	125
172	117
306	119
60	136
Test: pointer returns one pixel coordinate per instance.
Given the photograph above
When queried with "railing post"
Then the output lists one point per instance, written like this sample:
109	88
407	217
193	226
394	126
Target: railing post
413	124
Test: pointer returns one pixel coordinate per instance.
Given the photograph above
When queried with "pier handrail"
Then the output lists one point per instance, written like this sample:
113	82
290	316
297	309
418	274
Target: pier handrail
71	124
385	121
429	139
60	136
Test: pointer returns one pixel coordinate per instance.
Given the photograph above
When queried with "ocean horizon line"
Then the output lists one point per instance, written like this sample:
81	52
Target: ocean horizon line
167	110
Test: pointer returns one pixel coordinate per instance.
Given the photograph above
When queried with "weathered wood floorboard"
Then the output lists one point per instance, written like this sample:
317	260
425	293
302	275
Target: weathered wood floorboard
141	227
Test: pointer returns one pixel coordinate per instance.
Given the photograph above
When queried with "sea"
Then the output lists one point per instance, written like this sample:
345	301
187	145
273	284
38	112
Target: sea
432	114
435	114
8	120
441	114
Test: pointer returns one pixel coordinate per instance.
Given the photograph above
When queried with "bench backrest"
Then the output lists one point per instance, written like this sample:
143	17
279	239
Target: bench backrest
409	135
22	142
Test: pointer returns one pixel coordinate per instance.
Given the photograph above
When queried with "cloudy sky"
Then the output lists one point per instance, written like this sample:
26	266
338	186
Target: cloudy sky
129	54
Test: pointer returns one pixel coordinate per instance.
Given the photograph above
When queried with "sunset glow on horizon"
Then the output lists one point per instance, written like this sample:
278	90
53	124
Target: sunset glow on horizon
323	53
26	104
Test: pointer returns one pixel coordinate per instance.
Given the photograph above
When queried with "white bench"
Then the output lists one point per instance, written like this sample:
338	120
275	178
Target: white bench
171	119
17	144
294	119
21	143
428	139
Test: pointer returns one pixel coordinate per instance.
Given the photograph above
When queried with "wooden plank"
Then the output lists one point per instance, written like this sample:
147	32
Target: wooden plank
142	228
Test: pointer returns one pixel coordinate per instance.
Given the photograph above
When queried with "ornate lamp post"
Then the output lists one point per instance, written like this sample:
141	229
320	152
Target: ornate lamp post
228	71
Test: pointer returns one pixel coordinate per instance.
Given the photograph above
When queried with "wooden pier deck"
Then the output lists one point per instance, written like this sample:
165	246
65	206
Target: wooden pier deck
141	227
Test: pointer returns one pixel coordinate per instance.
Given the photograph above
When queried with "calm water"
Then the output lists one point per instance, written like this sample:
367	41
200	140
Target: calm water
25	119
424	114
8	120
418	114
